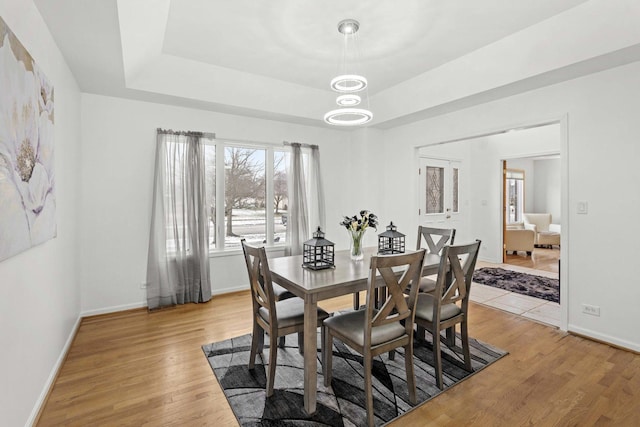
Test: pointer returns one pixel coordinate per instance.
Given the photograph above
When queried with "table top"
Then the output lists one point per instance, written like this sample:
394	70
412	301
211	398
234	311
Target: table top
348	276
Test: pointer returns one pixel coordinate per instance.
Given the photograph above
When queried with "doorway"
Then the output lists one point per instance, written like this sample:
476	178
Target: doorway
530	185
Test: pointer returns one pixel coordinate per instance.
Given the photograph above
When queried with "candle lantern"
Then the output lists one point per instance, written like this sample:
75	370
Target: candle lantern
391	241
317	253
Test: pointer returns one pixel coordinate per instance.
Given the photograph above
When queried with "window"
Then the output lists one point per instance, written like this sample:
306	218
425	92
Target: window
455	191
246	190
515	195
435	190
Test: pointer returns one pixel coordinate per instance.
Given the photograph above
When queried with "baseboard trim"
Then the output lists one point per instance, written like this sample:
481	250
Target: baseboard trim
53	376
113	309
604	339
230	290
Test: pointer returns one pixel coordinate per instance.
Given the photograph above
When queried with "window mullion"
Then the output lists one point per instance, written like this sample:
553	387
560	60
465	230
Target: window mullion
269	196
220	196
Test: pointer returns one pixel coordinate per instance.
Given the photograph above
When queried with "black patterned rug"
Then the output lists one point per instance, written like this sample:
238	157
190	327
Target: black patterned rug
341	404
521	283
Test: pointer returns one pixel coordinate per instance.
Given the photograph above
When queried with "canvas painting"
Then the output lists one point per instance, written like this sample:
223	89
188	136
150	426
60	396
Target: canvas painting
27	176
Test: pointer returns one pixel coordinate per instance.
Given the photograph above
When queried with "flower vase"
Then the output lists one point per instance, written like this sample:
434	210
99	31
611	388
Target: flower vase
356	246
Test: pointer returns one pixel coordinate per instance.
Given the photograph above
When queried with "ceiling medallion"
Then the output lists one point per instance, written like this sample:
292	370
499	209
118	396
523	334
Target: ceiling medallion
349	83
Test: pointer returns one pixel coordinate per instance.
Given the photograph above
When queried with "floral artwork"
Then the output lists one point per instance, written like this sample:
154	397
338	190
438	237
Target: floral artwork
27	178
356	226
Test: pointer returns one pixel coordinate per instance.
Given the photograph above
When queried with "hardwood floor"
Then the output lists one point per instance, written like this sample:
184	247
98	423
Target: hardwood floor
147	369
541	259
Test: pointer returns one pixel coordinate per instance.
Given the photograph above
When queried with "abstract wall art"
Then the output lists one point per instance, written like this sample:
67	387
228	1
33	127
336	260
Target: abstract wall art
27	176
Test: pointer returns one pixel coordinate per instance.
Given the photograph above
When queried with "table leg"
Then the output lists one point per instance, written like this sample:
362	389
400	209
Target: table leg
310	353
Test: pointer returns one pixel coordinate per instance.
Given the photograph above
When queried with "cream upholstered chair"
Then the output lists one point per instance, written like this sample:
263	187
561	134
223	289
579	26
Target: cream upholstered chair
449	304
517	239
547	233
373	331
276	318
435	239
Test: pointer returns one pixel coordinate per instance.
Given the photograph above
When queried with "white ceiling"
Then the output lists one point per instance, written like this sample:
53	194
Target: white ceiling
274	59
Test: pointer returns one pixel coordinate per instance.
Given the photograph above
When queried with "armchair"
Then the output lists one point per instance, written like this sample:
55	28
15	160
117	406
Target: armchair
547	234
518	238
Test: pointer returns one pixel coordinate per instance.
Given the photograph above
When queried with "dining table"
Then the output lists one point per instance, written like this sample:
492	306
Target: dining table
346	277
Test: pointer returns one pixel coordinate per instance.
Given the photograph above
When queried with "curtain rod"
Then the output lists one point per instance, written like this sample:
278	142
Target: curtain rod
181	132
301	144
240	141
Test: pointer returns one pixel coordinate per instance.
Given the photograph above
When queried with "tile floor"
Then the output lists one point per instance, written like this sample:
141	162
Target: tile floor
533	308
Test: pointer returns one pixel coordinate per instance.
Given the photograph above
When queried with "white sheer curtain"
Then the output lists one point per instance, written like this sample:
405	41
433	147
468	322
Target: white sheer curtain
298	225
304	215
316	192
178	262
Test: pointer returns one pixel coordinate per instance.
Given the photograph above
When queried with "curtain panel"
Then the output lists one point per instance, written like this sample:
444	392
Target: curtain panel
306	198
178	262
298	226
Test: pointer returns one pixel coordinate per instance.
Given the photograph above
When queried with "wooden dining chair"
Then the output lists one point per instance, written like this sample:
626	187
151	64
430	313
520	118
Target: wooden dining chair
372	331
276	318
435	239
448	305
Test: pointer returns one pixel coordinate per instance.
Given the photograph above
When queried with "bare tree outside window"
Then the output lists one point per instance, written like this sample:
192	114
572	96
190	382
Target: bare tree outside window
279	190
210	189
244	192
280	194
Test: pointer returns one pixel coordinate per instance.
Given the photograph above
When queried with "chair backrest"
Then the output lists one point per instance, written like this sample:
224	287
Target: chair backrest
397	306
460	261
259	279
540	220
435	238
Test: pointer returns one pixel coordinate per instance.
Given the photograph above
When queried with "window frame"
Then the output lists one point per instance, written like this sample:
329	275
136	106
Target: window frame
219	229
515	175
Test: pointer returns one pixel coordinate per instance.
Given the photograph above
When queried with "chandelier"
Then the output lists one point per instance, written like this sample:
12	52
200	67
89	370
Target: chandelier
348	83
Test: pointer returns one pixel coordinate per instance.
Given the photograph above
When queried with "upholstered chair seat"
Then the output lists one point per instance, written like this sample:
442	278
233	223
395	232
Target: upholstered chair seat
424	308
351	326
290	313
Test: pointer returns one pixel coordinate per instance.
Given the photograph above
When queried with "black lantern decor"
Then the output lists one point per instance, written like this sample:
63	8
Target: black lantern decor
317	253
391	241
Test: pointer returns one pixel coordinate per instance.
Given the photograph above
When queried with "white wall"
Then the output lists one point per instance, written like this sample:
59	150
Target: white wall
118	157
547	191
602	129
39	290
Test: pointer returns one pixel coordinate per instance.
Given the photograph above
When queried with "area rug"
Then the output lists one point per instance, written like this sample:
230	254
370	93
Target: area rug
341	404
521	283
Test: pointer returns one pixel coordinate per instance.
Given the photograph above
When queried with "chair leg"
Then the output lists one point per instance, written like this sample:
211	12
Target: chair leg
356	300
464	334
323	349
273	357
392	354
281	341
408	367
451	336
437	356
327	356
368	389
420	332
301	343
257	340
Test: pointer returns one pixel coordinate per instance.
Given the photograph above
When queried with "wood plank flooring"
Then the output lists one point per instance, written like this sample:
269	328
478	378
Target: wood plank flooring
147	369
541	259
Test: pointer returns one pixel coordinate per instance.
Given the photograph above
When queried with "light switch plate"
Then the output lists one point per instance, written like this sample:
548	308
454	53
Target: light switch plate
583	207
